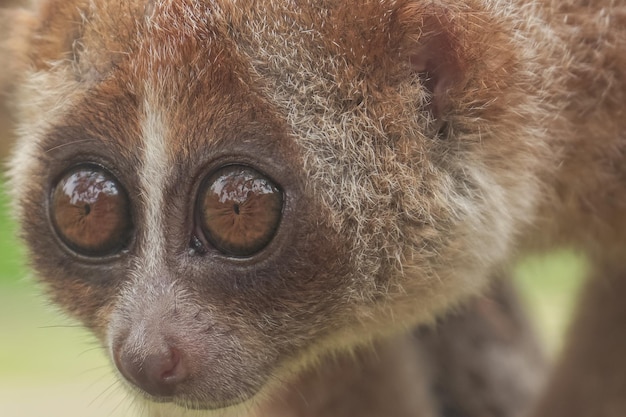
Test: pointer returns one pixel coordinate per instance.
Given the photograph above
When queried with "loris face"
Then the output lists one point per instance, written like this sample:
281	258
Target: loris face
223	190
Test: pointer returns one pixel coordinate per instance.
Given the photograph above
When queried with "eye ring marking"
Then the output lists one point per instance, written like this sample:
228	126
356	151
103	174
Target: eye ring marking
90	211
239	210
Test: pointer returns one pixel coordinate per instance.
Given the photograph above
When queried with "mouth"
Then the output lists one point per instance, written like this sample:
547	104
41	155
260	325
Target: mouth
178	406
191	403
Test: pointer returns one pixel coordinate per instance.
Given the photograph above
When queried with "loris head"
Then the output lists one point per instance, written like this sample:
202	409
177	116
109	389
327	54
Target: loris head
223	190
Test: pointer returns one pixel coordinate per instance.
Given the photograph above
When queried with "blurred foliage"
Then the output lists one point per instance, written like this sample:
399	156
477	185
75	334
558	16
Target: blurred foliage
12	258
549	285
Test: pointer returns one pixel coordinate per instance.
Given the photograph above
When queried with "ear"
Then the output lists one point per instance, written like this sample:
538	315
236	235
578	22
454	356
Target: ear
434	49
438	57
467	59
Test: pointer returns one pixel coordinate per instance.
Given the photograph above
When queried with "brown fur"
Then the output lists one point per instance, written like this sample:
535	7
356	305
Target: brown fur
421	146
482	360
11	25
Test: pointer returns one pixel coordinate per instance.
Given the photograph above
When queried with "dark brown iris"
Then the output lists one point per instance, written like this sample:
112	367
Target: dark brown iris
240	210
91	212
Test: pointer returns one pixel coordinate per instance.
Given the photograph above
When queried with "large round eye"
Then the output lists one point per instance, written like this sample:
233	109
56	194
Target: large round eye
240	210
90	211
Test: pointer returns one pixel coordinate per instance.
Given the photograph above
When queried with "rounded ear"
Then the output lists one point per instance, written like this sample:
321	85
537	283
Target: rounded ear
16	27
435	50
438	57
467	57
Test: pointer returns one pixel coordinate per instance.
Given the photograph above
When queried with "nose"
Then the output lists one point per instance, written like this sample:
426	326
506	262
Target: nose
158	374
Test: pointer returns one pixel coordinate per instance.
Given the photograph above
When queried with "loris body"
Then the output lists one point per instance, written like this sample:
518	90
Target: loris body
224	191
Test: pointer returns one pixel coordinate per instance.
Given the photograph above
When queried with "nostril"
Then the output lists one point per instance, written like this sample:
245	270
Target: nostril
169	368
158	374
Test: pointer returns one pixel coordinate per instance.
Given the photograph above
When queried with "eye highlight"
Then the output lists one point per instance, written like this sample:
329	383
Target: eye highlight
239	210
90	211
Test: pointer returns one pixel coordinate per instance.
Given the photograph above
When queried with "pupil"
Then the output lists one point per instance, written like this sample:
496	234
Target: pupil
87	209
236	208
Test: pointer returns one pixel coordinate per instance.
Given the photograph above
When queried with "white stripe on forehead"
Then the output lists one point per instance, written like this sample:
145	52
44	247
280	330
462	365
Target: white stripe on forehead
152	175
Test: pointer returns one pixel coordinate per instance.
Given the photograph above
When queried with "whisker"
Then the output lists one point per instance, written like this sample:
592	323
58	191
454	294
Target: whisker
74	142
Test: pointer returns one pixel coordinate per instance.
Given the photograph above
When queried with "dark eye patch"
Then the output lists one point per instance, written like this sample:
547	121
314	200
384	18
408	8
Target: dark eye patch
90	211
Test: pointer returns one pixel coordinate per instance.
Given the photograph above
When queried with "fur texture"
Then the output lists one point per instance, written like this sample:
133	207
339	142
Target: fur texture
420	145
